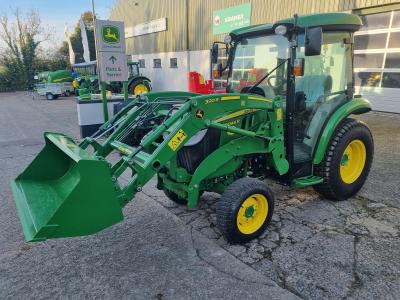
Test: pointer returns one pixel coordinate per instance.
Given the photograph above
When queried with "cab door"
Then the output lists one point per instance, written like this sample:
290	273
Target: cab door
326	84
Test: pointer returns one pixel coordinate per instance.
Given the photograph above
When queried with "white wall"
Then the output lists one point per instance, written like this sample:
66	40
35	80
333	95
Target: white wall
174	79
200	62
165	78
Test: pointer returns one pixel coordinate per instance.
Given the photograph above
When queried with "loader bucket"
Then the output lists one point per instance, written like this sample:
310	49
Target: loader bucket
65	192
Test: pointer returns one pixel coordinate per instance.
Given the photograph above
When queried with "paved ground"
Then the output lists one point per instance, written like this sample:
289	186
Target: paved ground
313	249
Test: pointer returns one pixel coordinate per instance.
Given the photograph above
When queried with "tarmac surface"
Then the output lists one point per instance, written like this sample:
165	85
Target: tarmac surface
313	249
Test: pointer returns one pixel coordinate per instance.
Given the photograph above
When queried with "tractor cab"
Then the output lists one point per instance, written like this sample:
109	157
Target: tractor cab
307	61
133	68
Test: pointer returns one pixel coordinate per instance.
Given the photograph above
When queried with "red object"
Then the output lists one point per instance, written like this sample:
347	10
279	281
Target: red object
197	84
254	75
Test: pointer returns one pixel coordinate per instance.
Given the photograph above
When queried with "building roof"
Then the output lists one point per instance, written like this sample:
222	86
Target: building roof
343	21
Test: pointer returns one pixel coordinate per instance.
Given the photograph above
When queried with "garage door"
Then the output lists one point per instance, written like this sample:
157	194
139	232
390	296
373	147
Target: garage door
377	60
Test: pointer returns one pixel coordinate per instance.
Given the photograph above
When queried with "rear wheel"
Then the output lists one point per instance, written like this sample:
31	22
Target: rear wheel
139	87
245	210
347	161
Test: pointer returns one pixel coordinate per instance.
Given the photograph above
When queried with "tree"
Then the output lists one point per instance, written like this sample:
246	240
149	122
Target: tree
21	38
76	39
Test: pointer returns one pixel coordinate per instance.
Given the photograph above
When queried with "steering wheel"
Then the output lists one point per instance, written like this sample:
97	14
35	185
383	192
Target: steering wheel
269	81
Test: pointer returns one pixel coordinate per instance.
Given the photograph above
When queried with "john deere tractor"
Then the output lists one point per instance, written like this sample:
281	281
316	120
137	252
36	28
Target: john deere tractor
293	125
87	81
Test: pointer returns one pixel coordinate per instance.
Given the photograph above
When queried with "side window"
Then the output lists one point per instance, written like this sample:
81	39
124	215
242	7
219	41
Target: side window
173	63
328	73
325	82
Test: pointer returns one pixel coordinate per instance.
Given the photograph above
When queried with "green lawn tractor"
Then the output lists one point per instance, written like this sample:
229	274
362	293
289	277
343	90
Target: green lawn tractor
293	125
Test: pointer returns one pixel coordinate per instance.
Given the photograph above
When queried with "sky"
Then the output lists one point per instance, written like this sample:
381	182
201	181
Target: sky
56	13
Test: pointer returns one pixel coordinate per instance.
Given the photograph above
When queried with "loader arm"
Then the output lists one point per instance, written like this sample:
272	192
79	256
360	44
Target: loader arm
80	193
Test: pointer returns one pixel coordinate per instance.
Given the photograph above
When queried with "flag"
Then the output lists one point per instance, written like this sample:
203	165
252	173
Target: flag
70	50
85	43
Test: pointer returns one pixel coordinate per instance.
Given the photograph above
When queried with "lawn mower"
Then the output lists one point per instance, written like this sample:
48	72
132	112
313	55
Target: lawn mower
292	126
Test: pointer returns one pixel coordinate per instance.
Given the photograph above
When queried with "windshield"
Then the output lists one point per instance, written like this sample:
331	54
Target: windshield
254	58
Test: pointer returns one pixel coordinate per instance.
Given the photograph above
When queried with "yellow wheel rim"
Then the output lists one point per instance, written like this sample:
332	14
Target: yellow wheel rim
353	161
140	89
252	214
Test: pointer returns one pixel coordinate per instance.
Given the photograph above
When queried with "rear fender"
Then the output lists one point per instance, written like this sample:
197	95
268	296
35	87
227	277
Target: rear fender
355	106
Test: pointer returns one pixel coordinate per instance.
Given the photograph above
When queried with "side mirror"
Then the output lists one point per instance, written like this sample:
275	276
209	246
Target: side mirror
214	53
313	41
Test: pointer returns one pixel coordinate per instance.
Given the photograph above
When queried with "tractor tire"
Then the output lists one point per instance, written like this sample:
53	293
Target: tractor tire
50	96
347	161
244	210
139	87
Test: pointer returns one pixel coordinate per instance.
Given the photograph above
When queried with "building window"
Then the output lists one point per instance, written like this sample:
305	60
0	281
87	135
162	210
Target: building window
173	63
142	63
377	51
157	63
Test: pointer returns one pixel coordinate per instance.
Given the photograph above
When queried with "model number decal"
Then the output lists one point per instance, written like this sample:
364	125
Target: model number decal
177	139
211	100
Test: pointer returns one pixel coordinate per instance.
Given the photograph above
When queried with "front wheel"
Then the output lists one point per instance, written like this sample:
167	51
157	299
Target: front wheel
245	210
347	161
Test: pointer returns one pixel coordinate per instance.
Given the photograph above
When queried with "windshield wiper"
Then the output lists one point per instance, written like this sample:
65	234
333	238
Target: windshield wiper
266	76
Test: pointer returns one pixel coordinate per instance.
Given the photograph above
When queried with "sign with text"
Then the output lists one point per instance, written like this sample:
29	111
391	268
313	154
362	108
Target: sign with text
225	20
111	49
146	28
113	67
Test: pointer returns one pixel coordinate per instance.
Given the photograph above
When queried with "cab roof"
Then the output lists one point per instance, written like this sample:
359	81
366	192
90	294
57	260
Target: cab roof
328	21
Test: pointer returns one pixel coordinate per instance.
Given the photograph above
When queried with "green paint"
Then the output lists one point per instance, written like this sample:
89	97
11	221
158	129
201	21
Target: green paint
354	106
55	195
307	181
345	160
110	34
249	212
225	20
104	100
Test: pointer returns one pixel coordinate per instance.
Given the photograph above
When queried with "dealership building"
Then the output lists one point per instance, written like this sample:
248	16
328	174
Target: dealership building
172	37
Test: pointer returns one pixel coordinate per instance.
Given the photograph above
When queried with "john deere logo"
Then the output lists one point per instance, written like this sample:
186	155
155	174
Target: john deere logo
110	34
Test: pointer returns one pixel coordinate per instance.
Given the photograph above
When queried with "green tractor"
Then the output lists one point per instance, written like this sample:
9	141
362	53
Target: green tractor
87	81
137	83
293	125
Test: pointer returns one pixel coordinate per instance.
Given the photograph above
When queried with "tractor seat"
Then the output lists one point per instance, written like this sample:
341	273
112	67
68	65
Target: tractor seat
314	86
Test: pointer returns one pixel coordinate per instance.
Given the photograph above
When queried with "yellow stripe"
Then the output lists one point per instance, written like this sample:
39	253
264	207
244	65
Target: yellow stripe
230	98
236	114
59	79
259	99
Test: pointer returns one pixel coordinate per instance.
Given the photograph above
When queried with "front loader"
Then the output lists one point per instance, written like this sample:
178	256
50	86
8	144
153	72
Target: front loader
292	125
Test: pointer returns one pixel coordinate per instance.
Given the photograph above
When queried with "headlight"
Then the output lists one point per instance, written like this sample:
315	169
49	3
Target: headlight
280	30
